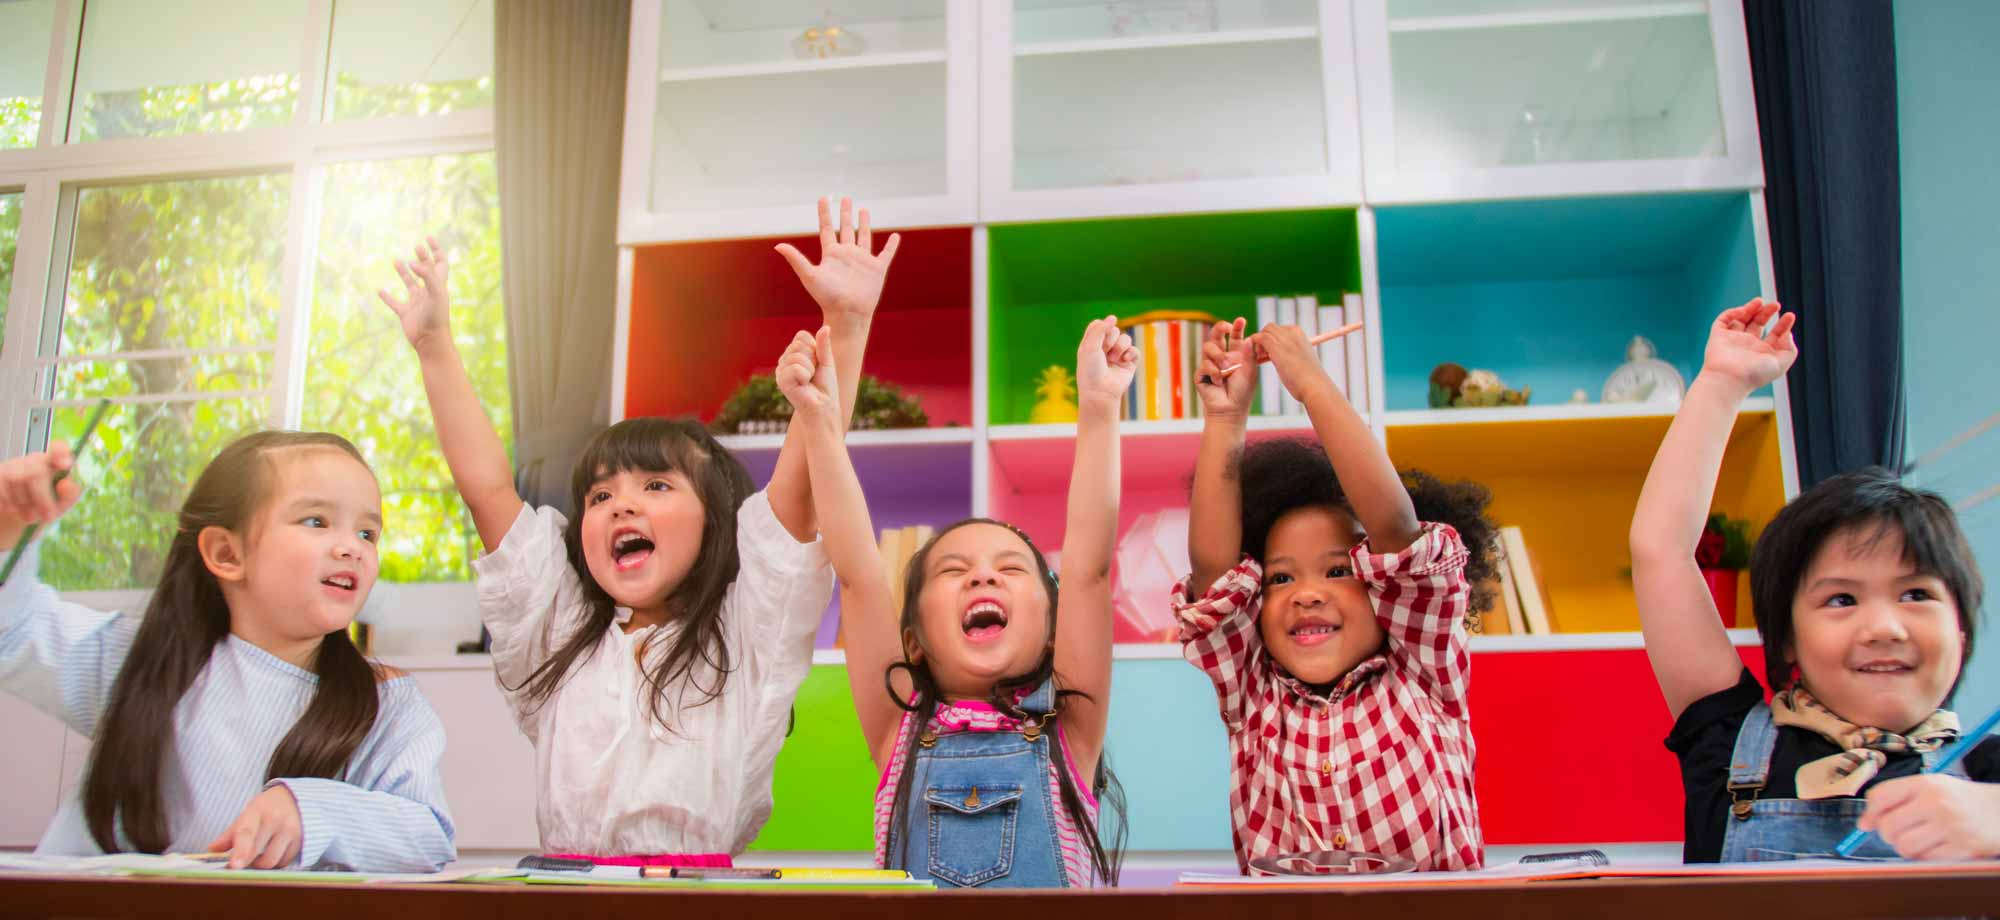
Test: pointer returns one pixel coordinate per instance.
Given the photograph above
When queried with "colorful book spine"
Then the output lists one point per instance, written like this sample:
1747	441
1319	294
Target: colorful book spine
1177	369
1357	356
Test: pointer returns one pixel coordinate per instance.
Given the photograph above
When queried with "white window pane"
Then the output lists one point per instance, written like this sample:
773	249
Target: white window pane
391	57
362	379
24	58
190	264
159	67
135	474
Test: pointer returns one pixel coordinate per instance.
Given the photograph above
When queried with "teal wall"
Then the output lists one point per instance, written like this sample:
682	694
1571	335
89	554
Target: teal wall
1947	74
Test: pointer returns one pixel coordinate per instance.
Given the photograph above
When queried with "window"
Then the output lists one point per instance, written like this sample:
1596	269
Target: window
211	283
362	379
396	58
24	55
171	309
238	68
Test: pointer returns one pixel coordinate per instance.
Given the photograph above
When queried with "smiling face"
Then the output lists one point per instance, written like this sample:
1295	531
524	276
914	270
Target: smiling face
641	532
1317	620
1874	639
983	610
309	555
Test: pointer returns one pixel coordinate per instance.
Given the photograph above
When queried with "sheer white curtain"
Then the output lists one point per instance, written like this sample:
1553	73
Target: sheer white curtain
559	108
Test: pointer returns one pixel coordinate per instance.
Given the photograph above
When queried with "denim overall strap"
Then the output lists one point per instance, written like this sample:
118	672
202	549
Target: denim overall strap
978	812
1761	829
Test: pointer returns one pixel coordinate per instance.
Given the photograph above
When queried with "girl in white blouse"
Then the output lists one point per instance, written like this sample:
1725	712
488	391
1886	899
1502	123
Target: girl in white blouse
651	648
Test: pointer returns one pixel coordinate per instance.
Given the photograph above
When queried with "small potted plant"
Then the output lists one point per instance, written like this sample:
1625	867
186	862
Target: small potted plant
1724	550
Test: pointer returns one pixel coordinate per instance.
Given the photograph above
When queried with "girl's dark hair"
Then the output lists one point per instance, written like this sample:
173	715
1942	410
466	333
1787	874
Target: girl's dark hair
1282	475
1876	501
1105	862
697	656
184	621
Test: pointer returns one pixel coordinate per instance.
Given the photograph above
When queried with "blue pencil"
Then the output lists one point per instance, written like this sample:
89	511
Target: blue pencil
1959	749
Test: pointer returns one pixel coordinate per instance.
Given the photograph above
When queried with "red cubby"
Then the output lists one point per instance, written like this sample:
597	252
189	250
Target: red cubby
706	316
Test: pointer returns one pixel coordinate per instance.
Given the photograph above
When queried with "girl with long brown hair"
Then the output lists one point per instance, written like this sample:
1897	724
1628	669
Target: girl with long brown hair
234	715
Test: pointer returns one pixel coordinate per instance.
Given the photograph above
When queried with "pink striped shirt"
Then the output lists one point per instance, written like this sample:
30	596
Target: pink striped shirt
978	716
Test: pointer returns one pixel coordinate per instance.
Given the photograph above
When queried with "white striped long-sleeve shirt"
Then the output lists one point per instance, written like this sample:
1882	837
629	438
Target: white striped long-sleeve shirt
386	813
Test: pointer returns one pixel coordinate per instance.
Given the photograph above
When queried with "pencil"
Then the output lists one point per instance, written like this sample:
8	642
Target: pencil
1320	339
28	532
1959	748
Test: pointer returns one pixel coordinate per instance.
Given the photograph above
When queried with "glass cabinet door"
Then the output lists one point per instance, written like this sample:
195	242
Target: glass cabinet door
1154	93
1496	85
772	104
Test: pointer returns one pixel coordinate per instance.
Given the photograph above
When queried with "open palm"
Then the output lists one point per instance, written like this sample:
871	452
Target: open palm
1739	350
425	310
849	276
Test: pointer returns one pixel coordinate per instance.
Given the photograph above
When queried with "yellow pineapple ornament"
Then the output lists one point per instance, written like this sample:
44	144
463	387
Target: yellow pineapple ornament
1058	392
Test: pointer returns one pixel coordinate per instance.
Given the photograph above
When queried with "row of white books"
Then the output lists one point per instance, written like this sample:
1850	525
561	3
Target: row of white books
1345	358
1522	607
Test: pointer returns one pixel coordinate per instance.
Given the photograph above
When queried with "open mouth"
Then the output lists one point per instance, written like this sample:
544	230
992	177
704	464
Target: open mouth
630	549
984	621
343	581
1313	631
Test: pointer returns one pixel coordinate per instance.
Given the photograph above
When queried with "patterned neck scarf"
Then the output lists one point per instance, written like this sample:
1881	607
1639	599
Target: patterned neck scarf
1866	748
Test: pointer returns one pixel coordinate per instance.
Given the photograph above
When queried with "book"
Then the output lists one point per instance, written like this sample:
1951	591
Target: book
1149	357
1191	363
1510	596
1288	315
1357	355
1269	393
1333	355
1177	369
1534	609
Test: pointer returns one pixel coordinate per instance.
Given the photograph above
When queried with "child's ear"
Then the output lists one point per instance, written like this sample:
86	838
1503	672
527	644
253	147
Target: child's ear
913	647
221	552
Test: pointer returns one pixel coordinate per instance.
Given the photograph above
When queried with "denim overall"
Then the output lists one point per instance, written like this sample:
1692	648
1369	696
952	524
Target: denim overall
978	812
1762	830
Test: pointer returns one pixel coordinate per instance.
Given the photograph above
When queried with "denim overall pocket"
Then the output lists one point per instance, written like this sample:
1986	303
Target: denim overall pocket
972	832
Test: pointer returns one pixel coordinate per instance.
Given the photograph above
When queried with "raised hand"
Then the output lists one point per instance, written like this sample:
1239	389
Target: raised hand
29	493
1295	357
1105	363
426	310
806	376
847	282
1225	394
1742	354
266	835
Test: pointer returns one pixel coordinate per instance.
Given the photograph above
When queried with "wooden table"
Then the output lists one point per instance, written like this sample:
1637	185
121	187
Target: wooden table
1814	897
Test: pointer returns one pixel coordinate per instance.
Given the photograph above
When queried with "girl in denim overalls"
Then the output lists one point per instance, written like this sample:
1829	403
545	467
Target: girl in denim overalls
1866	596
990	735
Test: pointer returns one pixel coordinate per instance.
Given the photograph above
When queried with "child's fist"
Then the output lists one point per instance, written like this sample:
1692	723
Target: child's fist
425	311
1226	394
1742	354
1105	362
29	492
1935	817
1295	357
806	375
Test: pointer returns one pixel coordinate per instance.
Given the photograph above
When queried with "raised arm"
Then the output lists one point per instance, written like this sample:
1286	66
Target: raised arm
1373	488
1215	512
1690	651
1105	362
472	449
808	376
847	285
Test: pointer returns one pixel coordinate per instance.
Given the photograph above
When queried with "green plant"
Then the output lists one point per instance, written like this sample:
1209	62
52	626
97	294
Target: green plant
877	405
1724	544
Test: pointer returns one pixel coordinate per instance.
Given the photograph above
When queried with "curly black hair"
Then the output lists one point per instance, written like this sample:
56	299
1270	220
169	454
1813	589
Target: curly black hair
1284	474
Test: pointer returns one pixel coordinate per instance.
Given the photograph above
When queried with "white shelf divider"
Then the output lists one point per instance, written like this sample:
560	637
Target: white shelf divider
1172	40
1547	17
809	65
888	437
1555	413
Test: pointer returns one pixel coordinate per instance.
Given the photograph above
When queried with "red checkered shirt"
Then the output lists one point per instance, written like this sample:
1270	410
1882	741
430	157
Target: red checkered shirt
1382	764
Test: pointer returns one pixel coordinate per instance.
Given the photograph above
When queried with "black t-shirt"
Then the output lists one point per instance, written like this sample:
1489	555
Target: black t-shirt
1705	736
